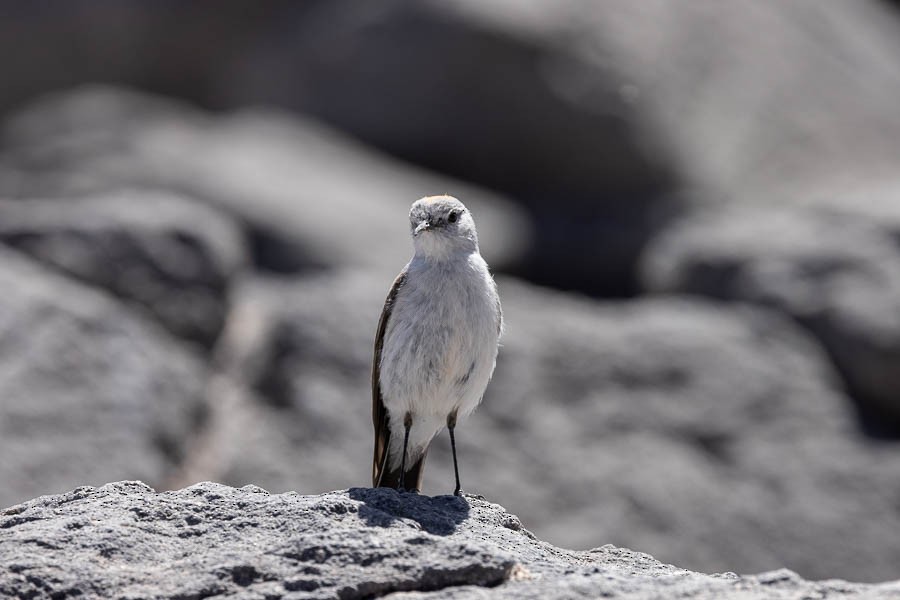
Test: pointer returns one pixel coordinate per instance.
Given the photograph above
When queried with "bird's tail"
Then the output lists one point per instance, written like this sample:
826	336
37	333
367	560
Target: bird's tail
384	476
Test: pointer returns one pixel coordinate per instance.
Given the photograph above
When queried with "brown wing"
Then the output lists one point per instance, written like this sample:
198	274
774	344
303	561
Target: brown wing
379	414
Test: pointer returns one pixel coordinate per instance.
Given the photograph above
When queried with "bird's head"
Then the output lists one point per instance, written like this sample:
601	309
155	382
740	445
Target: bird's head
442	226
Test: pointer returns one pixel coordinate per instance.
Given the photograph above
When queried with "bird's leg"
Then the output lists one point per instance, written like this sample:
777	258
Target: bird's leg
451	425
407	424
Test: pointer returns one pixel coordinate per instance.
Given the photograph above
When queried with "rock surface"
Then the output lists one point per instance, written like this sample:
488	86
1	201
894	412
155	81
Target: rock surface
209	540
88	390
706	435
838	276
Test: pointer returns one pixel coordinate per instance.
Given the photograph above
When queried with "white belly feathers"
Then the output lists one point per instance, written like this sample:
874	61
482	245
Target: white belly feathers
441	358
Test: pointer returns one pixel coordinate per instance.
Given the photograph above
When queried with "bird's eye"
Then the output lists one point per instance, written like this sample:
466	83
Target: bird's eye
452	217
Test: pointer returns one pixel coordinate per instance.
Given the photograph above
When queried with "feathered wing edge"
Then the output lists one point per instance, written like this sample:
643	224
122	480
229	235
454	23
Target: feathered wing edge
381	475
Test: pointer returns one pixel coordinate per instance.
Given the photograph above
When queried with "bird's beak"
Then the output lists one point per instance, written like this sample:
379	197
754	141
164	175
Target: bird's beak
421	227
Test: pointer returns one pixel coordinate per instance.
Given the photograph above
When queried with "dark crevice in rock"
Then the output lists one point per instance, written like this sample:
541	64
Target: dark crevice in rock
244	575
430	581
13	522
209	592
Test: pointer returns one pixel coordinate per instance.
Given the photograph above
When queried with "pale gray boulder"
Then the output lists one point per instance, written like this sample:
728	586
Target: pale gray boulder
89	391
167	254
123	540
710	436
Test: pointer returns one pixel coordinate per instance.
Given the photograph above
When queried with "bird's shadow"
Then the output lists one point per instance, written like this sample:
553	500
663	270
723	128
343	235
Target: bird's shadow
439	515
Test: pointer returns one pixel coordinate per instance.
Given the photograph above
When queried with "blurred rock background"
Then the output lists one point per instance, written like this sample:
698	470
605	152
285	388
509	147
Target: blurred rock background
693	211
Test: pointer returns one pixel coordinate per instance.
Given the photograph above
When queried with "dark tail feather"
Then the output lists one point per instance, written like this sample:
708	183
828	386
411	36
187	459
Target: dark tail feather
413	480
382	443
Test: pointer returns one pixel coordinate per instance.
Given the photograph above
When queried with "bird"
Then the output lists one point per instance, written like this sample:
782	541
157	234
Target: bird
436	343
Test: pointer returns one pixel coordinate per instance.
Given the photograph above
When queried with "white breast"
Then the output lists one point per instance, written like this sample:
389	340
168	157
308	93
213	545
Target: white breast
440	345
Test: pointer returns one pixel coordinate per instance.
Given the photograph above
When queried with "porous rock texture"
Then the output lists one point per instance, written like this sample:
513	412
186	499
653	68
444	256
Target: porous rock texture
123	540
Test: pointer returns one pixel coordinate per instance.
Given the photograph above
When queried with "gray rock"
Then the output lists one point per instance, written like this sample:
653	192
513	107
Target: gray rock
89	391
167	254
308	196
123	540
837	275
713	437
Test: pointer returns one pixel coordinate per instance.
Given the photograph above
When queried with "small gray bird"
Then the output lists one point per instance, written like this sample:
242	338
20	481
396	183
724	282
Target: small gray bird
436	344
